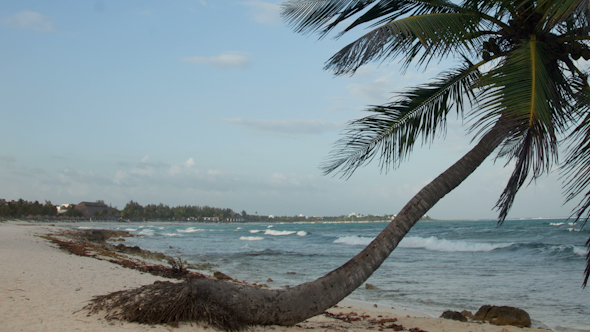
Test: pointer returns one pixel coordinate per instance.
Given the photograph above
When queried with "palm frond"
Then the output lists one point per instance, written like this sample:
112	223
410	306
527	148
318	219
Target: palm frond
391	132
577	165
558	12
530	97
308	16
431	35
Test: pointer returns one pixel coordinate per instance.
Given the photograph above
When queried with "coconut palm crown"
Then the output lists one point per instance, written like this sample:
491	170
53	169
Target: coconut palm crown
519	69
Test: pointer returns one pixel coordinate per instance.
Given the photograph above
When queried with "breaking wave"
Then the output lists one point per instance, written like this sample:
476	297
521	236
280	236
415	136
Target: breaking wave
251	238
190	230
278	233
435	244
354	240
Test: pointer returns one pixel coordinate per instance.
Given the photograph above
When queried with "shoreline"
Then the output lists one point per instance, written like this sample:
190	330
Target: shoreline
43	287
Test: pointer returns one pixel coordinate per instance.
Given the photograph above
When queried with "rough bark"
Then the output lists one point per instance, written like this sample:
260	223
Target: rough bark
255	306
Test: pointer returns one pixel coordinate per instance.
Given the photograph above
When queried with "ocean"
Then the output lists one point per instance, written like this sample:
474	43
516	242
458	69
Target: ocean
536	265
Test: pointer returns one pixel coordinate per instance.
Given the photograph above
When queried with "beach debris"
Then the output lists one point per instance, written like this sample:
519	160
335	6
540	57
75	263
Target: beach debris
370	286
346	317
375	305
221	276
503	315
269	280
83	245
291	272
454	315
416	329
383	321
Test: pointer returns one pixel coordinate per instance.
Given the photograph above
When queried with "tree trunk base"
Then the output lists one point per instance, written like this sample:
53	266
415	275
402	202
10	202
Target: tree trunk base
171	303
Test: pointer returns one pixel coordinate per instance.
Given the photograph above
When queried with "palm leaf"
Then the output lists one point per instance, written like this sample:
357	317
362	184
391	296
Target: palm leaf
393	129
528	96
308	16
556	12
431	35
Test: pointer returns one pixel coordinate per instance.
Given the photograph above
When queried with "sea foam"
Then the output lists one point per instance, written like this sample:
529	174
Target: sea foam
580	251
146	232
354	240
435	244
251	238
301	233
190	230
278	233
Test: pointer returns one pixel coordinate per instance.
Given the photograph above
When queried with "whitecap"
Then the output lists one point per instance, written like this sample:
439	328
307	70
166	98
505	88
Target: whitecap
146	232
301	233
254	231
131	229
556	224
278	233
269	226
83	227
190	230
580	251
354	240
435	244
238	228
251	238
171	234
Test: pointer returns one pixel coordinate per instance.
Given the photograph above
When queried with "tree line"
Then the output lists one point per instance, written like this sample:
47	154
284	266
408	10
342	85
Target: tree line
135	211
25	208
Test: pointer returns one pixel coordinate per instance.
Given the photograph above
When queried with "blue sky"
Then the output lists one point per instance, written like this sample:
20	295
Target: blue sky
206	102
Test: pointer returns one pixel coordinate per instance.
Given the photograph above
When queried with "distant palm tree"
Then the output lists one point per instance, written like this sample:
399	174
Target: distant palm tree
518	80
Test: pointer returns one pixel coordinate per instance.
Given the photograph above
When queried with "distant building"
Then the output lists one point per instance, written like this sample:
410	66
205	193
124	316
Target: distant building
62	208
95	210
210	218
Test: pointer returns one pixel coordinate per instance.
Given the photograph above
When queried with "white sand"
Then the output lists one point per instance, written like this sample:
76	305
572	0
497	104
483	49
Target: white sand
44	289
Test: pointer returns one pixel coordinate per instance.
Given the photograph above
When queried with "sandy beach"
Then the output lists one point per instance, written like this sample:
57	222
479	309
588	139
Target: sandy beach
43	288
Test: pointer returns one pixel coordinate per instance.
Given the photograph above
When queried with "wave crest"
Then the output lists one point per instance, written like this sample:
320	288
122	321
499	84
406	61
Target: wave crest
435	244
251	238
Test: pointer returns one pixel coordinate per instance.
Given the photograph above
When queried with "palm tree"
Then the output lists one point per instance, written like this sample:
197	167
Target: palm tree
518	81
517	74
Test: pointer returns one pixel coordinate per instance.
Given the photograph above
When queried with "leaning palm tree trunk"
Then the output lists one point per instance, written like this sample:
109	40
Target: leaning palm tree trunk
233	306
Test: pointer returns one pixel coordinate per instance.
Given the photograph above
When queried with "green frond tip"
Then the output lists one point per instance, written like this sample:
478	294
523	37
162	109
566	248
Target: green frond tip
390	133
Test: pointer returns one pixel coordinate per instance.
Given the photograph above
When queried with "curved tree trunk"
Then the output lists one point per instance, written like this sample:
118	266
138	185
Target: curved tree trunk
254	306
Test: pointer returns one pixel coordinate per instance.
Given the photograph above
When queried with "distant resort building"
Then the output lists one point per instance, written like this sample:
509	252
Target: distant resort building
96	210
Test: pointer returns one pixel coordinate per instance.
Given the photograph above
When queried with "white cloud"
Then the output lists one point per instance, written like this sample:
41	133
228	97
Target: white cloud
222	61
203	2
307	127
264	12
184	169
28	20
375	92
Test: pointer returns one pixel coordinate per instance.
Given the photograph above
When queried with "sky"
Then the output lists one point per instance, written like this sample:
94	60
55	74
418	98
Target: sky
210	102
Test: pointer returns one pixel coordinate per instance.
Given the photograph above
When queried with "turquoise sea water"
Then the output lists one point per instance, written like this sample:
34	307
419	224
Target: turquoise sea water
536	265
